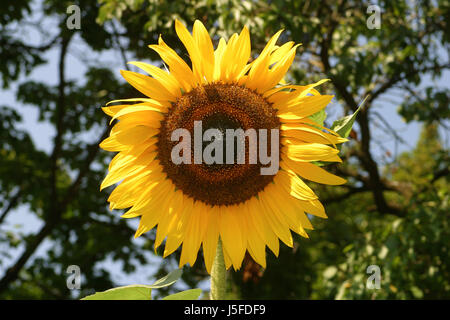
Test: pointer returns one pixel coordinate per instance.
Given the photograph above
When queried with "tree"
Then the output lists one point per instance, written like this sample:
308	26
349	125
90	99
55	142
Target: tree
61	187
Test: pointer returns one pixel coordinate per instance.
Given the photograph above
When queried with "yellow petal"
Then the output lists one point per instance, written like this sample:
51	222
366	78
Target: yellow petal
204	44
277	72
238	50
165	79
231	235
128	191
113	110
307	133
141	163
173	242
155	184
111	144
133	135
271	44
306	106
177	66
152	209
260	68
174	208
193	50
218	56
280	52
211	238
295	186
147	111
125	157
258	74
227	258
194	233
276	222
256	245
155	209
226	67
285	207
314	124
284	95
312	172
314	207
148	86
162	104
177	232
308	152
260	225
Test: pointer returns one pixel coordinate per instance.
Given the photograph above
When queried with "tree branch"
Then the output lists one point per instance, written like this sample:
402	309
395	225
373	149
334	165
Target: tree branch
13	272
119	46
70	194
351	191
374	183
12	203
398	78
92	153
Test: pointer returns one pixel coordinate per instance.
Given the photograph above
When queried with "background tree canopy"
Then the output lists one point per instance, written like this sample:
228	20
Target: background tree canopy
393	212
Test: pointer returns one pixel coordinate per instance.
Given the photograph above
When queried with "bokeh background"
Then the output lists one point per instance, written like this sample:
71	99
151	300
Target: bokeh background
393	212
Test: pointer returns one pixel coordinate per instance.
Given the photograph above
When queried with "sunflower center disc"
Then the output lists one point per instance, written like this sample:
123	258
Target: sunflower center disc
218	106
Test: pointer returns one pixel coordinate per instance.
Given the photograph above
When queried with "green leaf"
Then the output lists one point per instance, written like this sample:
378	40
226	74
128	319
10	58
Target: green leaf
132	292
417	293
319	117
137	291
330	272
344	125
348	248
192	294
341	126
168	280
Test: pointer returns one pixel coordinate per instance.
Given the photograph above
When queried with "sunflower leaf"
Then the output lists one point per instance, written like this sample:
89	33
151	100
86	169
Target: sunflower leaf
168	280
136	291
192	294
343	126
131	292
319	117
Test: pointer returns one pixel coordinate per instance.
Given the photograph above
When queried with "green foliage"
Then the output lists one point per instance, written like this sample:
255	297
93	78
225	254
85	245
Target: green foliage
412	252
344	125
319	117
144	292
191	294
341	126
131	292
60	188
432	107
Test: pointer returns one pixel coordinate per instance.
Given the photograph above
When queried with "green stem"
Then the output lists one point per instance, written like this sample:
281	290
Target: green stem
218	275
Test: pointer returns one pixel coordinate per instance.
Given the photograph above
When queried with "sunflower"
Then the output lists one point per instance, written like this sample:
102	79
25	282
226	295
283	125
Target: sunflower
194	204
